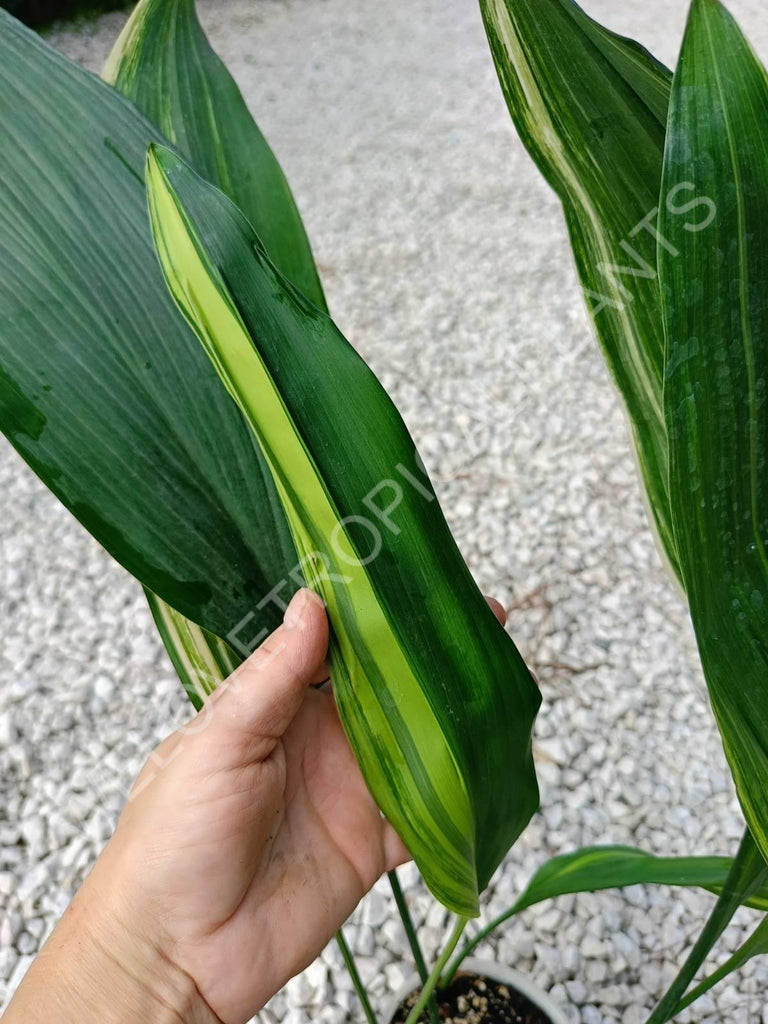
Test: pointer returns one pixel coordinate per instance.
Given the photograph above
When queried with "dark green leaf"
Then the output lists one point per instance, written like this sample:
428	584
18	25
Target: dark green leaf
715	305
164	63
103	389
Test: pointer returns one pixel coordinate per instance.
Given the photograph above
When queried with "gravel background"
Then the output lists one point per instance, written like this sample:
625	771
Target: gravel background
445	261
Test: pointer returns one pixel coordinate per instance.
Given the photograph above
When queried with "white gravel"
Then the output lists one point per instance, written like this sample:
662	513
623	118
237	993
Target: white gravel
445	261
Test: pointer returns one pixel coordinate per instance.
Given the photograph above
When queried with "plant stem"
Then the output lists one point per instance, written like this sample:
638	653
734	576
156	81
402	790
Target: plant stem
473	943
437	970
357	982
410	931
747	874
413	942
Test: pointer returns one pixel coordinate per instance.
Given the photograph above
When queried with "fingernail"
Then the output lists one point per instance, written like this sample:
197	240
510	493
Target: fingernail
295	613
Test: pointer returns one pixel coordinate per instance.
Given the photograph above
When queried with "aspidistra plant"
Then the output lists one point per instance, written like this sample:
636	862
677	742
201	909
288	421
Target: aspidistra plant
611	213
164	446
412	699
119	408
662	181
162	61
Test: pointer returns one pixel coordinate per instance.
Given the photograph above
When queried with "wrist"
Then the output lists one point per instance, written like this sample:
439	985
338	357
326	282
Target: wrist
101	964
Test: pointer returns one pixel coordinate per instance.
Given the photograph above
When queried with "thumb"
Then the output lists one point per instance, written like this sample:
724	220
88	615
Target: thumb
257	703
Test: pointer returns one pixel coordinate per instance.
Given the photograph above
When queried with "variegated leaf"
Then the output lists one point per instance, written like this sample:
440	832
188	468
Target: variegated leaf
421	667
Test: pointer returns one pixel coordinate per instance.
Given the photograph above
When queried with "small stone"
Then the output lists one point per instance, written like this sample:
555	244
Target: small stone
592	947
591	1015
651	979
8	959
299	992
10	926
79	805
26	943
317	976
577	990
374	910
72	851
365	941
22	966
103	688
571	958
98	827
369	970
332	1015
596	971
549	921
295	1016
611	995
7	730
36	926
392	935
33	833
276	1005
32	883
437	916
398	975
552	750
522	944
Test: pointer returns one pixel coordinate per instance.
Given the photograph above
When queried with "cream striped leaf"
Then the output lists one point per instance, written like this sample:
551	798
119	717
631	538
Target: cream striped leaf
436	701
163	62
202	661
590	107
595	868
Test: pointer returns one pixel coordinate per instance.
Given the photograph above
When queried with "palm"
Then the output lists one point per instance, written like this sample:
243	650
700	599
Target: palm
329	845
257	836
266	859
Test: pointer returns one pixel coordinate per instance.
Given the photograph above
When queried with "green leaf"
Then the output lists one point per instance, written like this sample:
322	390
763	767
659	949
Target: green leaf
747	876
715	307
611	867
591	109
202	661
103	389
434	697
594	868
755	945
163	62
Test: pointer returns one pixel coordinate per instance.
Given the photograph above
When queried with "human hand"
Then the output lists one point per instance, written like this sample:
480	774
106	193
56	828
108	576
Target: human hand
249	839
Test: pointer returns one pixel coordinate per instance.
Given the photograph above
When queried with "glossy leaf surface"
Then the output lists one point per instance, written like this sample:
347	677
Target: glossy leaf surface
421	667
163	62
716	321
591	108
103	389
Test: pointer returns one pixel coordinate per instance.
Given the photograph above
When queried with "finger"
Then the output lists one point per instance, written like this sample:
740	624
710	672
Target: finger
498	610
322	675
395	850
258	702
